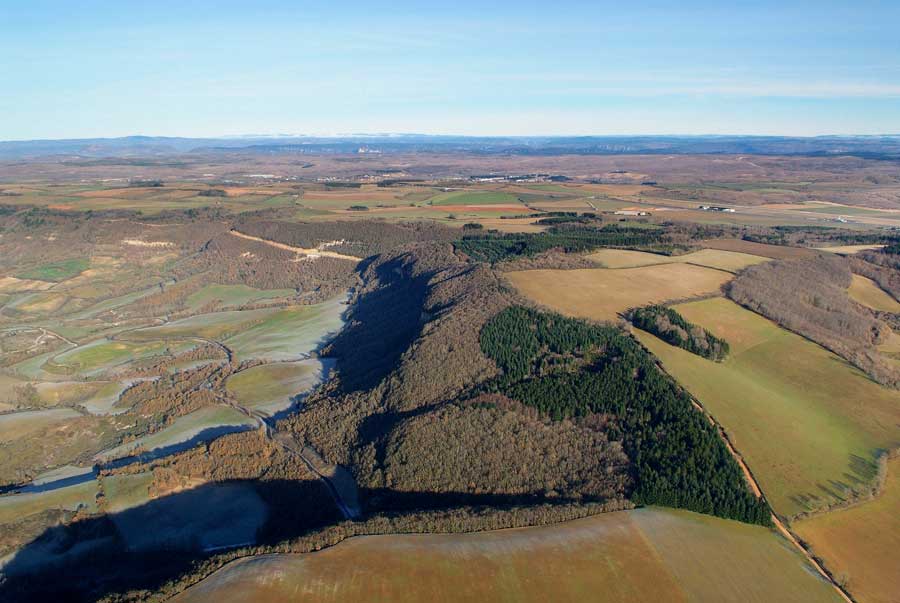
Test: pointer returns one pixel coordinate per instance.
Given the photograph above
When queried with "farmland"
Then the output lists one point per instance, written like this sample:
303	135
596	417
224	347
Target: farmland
828	418
278	354
602	294
646	555
728	261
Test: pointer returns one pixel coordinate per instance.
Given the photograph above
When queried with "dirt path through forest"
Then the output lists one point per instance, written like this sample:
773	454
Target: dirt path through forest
311	252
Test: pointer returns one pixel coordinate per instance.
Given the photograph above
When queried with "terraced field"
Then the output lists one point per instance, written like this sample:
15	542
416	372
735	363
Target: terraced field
601	294
644	555
828	418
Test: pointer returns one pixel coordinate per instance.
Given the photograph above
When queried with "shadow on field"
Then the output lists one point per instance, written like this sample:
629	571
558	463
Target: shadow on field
145	547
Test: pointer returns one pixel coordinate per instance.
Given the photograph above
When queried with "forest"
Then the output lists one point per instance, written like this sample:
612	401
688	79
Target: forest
497	247
671	327
567	368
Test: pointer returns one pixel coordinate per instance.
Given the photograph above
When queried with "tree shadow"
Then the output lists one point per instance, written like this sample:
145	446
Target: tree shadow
100	557
382	323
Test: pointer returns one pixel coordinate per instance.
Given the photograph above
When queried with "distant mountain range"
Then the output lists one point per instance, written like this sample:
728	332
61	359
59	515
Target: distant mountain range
876	147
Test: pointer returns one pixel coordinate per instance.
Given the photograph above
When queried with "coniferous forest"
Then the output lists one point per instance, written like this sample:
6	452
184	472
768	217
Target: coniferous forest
671	327
567	368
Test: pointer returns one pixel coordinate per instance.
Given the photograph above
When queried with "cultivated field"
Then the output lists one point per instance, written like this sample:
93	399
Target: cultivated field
601	294
860	544
730	261
645	555
807	423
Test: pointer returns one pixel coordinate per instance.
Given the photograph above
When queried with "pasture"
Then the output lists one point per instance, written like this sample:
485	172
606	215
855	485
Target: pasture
474	198
827	418
601	294
859	545
214	325
103	355
649	554
229	296
849	249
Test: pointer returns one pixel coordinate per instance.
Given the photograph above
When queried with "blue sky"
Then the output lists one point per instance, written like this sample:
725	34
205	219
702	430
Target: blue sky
195	68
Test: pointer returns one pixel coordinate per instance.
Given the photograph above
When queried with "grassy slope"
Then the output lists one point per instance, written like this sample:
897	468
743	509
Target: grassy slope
805	421
860	544
614	557
866	292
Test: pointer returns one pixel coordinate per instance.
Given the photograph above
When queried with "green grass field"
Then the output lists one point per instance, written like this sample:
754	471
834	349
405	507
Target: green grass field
126	491
228	296
56	271
101	355
807	423
645	555
474	198
270	387
21	424
215	325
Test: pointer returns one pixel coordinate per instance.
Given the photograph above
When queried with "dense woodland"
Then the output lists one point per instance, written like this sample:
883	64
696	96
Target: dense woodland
567	368
569	238
671	327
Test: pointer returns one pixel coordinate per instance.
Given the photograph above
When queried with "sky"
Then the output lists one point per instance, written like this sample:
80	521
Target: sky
196	68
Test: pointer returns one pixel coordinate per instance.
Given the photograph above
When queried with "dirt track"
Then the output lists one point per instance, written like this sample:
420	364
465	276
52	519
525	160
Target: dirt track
311	252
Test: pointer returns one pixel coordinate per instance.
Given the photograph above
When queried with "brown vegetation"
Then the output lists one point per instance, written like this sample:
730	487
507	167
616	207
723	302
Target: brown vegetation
809	297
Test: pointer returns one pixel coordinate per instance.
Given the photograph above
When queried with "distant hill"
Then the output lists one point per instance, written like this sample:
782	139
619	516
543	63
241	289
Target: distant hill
873	147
